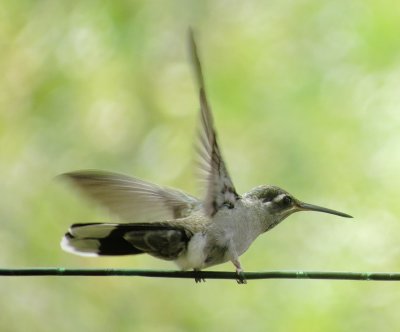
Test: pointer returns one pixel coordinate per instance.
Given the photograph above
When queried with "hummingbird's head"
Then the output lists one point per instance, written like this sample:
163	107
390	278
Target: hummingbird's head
279	204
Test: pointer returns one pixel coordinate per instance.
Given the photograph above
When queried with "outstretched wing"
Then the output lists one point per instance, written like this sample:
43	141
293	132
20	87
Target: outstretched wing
132	199
220	190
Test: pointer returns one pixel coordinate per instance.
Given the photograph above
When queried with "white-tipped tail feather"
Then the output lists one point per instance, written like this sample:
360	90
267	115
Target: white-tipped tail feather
98	239
82	247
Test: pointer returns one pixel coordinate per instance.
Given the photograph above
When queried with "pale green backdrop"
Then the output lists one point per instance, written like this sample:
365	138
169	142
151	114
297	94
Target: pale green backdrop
306	95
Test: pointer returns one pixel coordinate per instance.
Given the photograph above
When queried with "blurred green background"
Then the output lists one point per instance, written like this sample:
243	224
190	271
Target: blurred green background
306	95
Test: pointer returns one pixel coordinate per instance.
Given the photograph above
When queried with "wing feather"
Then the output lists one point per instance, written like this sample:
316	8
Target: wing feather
132	199
220	190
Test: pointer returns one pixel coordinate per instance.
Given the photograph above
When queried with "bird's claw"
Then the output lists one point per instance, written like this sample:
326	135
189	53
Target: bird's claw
197	277
240	278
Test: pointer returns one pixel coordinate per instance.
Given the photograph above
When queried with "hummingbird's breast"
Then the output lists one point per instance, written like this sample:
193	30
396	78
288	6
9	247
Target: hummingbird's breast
226	236
231	233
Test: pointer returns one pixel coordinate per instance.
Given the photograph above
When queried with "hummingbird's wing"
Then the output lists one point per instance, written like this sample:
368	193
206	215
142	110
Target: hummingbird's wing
220	190
132	199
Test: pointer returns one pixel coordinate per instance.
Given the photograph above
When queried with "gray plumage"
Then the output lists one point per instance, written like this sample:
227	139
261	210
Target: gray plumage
172	225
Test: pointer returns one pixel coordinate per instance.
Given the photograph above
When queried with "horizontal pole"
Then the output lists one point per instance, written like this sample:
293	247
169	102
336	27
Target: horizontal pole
322	275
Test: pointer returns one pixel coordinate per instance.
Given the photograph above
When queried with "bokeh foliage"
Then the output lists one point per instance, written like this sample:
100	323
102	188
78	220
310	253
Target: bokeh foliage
305	95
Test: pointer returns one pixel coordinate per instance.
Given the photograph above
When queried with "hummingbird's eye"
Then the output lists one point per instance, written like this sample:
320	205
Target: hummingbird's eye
286	200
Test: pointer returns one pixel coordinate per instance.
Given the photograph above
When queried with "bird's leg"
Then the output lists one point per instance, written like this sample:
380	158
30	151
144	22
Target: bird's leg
241	279
197	277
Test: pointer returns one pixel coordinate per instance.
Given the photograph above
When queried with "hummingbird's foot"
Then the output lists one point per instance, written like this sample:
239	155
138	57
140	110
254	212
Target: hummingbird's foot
240	278
197	277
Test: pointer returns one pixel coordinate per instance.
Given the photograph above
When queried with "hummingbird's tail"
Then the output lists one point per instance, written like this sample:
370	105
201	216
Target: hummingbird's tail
99	239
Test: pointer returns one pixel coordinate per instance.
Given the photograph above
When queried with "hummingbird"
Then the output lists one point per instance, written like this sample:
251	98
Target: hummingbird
172	225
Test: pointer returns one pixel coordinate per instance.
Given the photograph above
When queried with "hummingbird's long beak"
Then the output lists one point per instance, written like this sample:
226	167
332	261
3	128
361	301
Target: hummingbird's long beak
310	207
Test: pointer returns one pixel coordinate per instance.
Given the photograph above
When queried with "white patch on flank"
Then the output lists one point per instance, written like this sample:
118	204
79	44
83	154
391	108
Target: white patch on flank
194	256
